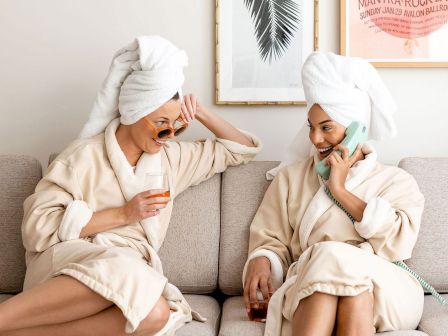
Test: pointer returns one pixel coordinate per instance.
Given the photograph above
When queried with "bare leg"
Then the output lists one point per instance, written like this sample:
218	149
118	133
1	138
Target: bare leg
315	315
57	300
106	323
355	315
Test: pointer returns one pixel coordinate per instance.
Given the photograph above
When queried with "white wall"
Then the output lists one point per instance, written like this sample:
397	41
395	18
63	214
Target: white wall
54	55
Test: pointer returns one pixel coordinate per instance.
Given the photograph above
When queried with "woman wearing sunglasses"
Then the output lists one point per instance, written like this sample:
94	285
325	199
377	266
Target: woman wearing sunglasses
93	227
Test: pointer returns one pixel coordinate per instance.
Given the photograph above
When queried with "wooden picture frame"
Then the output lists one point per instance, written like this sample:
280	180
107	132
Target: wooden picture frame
249	73
395	35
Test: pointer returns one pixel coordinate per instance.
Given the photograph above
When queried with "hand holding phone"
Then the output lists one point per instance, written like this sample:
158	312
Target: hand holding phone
355	134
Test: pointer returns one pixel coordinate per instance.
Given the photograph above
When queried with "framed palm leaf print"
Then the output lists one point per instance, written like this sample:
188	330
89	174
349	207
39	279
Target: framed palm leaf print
260	49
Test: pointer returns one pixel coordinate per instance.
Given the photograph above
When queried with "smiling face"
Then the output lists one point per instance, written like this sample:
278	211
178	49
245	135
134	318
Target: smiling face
143	136
324	132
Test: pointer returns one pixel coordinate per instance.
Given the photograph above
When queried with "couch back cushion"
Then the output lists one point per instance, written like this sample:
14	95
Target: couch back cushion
243	188
430	255
191	248
190	251
18	177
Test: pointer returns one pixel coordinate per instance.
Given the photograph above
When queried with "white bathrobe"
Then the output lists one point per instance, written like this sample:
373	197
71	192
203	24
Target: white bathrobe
313	244
121	264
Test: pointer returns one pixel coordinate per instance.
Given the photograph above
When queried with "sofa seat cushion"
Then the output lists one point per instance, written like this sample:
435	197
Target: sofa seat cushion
435	317
234	319
207	307
235	322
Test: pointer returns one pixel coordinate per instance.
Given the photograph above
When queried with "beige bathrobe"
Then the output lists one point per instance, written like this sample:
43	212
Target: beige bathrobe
121	264
313	244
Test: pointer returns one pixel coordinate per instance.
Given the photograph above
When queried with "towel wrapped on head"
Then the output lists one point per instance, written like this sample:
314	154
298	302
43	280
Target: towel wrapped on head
347	89
142	77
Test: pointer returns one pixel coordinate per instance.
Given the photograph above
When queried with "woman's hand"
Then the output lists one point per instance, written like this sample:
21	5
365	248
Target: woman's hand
258	276
340	165
191	109
144	205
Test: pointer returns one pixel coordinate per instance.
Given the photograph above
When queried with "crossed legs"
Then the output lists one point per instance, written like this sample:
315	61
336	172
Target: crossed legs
64	306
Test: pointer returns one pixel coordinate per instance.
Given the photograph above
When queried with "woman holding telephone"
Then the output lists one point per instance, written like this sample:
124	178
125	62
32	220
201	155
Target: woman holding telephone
95	223
323	241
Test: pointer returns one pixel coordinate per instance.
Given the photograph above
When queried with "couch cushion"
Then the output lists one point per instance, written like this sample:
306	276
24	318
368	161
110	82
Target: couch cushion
243	188
430	255
190	251
18	177
235	322
209	308
435	317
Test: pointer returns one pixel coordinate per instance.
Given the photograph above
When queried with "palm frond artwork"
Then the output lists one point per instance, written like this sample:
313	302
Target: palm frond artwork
275	22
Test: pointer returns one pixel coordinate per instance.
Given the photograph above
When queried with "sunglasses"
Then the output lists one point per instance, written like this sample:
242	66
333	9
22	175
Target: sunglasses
161	132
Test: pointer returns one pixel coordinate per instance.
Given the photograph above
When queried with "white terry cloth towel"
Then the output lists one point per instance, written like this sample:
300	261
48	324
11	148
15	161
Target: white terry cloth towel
347	89
142	77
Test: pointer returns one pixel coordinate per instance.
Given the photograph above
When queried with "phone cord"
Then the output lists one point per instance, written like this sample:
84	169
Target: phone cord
401	264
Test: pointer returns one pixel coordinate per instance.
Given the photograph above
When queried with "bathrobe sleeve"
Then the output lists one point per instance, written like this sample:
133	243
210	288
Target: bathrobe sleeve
194	162
56	204
391	221
270	229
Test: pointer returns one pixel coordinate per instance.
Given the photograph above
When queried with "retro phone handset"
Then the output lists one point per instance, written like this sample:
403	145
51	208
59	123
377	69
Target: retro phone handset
354	134
357	133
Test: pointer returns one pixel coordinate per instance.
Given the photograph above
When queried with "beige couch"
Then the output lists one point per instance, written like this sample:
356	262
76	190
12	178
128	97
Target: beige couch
206	245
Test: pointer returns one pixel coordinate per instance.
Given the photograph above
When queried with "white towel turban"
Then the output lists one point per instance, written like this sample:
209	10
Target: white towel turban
348	89
142	77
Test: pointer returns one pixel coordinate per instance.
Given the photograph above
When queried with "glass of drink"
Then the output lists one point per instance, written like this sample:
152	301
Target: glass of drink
259	314
158	181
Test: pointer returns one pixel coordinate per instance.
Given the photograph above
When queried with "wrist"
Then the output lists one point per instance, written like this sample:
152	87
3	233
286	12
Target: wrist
203	114
262	260
337	191
120	213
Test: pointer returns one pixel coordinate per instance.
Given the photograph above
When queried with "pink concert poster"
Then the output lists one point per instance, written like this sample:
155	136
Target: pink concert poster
396	32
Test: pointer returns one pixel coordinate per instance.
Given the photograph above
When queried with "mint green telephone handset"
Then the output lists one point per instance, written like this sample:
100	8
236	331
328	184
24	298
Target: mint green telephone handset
355	134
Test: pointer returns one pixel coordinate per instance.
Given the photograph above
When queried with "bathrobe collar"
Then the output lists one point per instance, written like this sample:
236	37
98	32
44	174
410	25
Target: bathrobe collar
132	183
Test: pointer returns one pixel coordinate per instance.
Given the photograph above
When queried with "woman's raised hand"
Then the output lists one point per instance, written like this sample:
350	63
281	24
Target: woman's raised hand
258	276
188	108
144	205
340	166
191	109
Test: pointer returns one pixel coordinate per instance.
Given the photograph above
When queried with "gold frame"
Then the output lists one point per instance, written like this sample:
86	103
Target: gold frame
398	64
278	103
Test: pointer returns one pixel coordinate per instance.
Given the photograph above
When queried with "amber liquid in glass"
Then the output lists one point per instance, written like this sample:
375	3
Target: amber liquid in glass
164	194
259	314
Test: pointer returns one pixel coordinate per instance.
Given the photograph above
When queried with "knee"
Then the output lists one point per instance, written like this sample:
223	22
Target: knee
156	319
361	303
